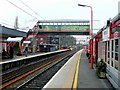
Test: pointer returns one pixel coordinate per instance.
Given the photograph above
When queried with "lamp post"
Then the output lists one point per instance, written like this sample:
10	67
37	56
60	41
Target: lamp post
91	33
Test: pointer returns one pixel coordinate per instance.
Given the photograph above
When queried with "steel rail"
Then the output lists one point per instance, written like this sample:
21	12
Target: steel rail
12	82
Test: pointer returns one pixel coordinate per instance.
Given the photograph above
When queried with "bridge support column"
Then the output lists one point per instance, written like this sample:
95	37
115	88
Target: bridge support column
34	45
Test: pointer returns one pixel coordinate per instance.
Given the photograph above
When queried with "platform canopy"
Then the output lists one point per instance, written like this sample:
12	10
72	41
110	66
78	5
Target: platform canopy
9	32
16	39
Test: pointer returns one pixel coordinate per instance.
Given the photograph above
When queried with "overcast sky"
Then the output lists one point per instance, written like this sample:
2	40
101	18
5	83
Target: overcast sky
56	9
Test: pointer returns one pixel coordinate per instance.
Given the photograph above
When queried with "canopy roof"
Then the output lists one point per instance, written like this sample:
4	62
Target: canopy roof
9	32
17	39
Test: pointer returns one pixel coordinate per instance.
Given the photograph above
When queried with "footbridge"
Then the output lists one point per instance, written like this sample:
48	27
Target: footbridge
63	27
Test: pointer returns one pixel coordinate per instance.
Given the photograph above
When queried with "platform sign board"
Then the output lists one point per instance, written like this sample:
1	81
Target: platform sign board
106	34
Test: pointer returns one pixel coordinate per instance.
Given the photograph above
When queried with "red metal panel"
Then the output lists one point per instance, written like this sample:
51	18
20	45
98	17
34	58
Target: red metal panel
95	49
100	37
63	31
115	24
3	41
91	48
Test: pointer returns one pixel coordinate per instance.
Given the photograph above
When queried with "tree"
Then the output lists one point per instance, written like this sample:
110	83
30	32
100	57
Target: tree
66	41
16	23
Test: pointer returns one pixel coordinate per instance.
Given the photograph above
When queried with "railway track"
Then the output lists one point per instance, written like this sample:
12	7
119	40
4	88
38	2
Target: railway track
38	82
10	79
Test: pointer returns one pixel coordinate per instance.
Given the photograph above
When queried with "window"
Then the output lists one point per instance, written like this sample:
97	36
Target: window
108	46
100	50
112	45
116	45
108	52
116	53
112	53
116	56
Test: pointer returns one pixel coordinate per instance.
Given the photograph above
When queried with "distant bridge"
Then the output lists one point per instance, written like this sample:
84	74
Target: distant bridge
55	27
63	27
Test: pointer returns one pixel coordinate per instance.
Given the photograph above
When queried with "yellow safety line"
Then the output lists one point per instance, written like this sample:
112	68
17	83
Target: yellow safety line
76	73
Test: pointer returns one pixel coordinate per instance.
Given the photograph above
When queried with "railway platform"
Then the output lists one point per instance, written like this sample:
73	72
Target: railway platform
19	57
87	77
77	74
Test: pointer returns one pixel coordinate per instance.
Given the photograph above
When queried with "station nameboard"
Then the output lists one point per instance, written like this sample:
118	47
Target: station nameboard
106	34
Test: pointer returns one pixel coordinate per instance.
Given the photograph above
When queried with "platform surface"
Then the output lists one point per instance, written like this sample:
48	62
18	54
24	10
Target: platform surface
77	74
87	77
64	78
30	55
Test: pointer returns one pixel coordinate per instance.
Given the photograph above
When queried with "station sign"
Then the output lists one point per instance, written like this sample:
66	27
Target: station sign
26	41
106	34
116	34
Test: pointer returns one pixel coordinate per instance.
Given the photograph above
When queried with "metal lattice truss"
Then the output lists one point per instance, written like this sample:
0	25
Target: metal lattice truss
63	22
